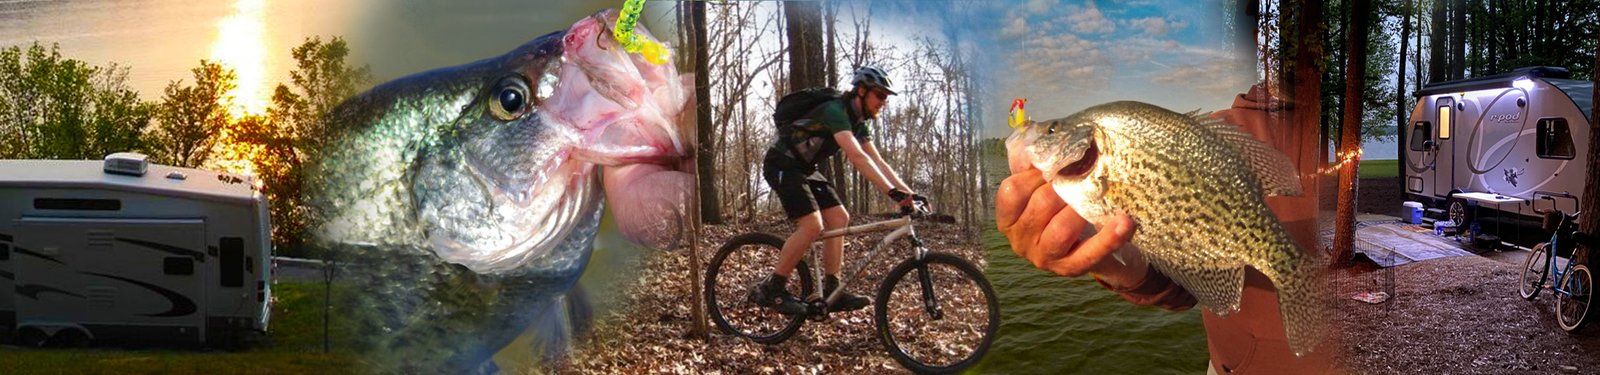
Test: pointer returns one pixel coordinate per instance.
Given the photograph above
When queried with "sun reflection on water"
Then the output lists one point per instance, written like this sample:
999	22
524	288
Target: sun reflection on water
241	46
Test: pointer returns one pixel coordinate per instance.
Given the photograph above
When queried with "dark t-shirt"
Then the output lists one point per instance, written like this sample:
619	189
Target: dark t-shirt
809	141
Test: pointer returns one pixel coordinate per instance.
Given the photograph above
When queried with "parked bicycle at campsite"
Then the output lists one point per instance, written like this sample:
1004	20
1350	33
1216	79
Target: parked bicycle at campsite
1574	282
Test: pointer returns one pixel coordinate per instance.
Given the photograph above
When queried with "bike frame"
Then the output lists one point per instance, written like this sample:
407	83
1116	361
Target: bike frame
1550	253
1553	247
898	228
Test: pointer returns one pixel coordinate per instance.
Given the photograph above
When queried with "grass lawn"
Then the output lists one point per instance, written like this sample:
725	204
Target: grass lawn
293	346
1380	168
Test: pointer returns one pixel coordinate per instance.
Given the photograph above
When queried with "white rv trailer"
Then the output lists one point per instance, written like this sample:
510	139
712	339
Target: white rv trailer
1500	146
126	251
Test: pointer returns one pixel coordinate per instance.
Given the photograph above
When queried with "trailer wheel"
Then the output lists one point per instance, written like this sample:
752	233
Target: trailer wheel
1460	212
31	337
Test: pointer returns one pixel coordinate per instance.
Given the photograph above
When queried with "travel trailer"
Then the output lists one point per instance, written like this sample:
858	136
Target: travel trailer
1496	148
122	250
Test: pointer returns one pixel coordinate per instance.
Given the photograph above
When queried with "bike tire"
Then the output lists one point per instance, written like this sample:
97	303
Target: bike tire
964	271
1572	311
739	264
1529	288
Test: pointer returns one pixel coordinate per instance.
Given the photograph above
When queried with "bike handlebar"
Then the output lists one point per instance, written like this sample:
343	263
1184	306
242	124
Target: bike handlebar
916	210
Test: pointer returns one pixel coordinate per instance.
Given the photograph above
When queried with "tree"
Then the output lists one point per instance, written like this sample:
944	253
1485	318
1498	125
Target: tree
1350	133
1400	82
119	117
293	130
705	158
191	116
53	107
1436	44
1590	222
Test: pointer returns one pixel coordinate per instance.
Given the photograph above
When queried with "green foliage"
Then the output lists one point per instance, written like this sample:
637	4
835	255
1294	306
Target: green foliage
52	107
293	130
191	116
1377	97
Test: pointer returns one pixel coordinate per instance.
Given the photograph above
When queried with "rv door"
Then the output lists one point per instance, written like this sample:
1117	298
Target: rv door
1444	120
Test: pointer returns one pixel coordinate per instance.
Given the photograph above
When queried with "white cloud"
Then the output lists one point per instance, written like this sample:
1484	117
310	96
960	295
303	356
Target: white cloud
1016	26
1060	63
1157	26
1209	76
1089	20
1040	6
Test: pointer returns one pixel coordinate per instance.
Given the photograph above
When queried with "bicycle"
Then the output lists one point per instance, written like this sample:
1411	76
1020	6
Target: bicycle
1575	283
941	320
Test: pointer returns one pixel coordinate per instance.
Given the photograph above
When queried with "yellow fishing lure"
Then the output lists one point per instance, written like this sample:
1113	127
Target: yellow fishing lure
653	51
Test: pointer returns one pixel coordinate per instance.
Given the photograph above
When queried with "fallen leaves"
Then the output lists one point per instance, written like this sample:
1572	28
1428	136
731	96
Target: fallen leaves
649	333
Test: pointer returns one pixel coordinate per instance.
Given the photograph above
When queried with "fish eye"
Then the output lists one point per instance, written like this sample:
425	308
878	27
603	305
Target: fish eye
509	98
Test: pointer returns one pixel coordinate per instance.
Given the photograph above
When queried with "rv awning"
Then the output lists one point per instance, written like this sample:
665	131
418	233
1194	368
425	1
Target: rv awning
1501	80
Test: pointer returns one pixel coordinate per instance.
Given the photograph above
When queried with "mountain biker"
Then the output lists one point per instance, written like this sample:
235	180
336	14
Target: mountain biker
838	123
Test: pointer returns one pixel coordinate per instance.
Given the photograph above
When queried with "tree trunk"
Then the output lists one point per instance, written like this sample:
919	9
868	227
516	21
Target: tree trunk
1436	44
806	55
1304	86
1350	134
1590	222
1400	112
1458	39
706	156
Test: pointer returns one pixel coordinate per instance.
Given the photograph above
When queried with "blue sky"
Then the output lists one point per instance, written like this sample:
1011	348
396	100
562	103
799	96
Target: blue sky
1066	55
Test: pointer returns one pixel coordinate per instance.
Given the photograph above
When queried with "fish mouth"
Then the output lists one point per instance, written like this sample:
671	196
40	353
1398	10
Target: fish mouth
1085	163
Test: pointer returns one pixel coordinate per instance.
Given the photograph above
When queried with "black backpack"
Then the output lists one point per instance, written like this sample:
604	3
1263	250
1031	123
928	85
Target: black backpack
798	104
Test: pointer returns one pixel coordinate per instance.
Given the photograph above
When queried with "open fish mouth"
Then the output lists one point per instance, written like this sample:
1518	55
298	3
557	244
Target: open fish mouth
1085	163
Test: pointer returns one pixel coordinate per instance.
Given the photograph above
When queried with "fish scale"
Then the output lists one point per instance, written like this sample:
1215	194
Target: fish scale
1196	188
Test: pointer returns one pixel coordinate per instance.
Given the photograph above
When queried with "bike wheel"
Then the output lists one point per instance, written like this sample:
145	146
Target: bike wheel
1572	309
1534	272
951	336
740	266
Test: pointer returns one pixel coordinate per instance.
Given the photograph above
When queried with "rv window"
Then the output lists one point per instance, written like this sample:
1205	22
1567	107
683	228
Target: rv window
1421	133
232	261
77	204
1555	140
1445	121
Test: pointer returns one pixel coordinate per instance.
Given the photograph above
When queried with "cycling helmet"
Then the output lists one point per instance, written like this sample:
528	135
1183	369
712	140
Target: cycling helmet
872	77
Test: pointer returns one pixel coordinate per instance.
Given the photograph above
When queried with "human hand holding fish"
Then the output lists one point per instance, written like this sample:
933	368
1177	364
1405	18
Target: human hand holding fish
1197	186
1046	232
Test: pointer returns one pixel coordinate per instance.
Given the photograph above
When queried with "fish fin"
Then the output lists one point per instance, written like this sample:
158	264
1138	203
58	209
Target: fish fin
1273	169
1216	289
557	325
1303	304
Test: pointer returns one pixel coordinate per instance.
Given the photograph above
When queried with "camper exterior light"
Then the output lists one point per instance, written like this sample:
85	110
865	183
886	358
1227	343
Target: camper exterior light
1522	83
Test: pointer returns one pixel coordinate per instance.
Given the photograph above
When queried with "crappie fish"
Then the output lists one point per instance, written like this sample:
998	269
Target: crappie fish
1196	187
466	200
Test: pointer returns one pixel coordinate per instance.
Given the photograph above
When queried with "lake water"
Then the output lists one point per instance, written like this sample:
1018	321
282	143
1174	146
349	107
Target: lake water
1055	325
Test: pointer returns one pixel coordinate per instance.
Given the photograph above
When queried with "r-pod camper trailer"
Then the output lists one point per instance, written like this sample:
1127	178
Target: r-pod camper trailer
1499	146
131	252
